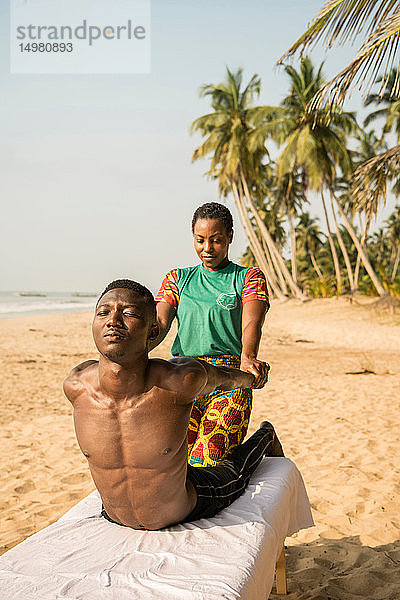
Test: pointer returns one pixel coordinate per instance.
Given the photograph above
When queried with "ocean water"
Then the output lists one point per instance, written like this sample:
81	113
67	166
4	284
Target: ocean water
13	304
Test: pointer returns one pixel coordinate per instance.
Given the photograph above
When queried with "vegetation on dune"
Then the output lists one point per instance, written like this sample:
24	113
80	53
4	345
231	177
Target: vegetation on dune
323	152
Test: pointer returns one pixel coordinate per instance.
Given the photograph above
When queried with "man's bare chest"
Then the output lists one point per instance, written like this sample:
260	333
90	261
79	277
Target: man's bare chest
133	433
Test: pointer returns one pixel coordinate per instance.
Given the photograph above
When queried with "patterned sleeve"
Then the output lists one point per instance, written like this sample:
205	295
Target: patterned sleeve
255	286
169	290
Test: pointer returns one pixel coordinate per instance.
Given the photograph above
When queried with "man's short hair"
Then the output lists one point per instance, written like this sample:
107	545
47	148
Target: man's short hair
214	210
131	285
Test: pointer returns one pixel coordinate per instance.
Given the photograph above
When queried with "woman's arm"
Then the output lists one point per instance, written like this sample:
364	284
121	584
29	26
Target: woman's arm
167	301
253	317
165	316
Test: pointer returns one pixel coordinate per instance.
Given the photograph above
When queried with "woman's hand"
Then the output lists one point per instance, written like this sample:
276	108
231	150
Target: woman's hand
258	368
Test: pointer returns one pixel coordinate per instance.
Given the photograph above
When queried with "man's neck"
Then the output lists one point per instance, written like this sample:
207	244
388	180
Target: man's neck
123	380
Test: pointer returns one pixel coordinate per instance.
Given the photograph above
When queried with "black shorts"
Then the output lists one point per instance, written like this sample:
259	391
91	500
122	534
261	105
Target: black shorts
106	516
217	487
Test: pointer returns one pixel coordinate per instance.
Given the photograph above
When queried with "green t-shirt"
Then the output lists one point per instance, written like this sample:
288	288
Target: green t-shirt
209	312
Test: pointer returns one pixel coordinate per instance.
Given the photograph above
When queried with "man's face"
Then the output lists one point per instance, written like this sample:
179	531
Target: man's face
123	324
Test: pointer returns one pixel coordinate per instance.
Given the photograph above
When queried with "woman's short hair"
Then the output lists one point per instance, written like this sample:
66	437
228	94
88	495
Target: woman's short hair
214	210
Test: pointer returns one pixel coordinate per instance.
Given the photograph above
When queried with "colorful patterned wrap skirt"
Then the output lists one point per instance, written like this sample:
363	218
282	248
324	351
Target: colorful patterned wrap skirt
219	420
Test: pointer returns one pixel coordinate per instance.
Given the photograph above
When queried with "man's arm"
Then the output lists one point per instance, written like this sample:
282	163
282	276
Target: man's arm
202	378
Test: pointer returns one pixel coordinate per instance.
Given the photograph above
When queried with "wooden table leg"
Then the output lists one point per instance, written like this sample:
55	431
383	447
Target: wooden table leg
280	574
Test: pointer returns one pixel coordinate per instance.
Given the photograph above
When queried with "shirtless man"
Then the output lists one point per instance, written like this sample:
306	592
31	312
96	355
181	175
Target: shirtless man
131	417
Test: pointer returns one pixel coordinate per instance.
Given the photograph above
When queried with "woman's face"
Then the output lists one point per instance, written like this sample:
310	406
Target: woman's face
211	242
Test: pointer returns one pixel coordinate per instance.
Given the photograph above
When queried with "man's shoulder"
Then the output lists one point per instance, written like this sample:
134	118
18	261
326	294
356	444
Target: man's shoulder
183	375
75	382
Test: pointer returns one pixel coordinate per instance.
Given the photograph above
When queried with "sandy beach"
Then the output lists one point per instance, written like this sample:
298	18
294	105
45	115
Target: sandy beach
334	397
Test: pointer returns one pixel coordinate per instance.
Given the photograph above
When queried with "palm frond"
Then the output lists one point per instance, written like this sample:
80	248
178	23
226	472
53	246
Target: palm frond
209	123
374	116
342	21
379	50
371	178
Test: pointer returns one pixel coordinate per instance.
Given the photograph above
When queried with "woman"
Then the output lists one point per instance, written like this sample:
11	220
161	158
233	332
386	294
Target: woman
220	308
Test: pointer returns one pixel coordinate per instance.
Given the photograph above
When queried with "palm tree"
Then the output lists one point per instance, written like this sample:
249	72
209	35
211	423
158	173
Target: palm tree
393	229
369	146
312	143
342	247
272	221
388	109
269	212
379	247
388	106
341	20
239	165
310	239
288	195
316	141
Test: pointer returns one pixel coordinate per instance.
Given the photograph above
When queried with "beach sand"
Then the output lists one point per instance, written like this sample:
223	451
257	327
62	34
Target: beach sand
333	397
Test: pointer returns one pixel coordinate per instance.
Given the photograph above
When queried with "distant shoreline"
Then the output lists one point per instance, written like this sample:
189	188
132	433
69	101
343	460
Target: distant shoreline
42	312
15	303
31	303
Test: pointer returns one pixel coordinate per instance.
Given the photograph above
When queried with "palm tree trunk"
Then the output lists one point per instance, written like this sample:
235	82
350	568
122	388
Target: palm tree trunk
249	232
253	250
344	250
281	283
396	264
363	238
275	267
316	267
254	244
333	249
270	242
358	263
292	246
368	267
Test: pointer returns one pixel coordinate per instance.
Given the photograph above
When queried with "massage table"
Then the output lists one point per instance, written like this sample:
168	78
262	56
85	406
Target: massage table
232	556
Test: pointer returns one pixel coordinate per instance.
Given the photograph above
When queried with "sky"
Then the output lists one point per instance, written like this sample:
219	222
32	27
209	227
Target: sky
96	175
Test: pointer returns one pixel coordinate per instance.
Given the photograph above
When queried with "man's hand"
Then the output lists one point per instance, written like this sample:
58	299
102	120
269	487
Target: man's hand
258	368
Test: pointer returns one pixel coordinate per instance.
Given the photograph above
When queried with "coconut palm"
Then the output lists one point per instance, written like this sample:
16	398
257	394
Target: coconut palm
388	106
310	239
316	142
271	215
312	143
227	129
273	222
368	147
342	246
341	21
393	230
379	247
288	193
239	165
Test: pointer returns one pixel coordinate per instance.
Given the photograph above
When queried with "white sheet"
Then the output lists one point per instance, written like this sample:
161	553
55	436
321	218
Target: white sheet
231	556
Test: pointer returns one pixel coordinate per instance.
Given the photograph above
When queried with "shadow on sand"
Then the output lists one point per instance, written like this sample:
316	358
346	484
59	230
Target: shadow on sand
342	569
